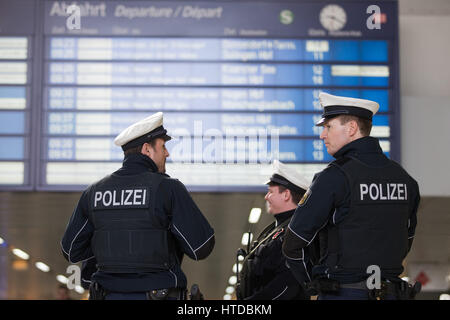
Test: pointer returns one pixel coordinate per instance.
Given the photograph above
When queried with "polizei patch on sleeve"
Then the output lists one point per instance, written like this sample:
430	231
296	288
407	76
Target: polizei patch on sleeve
305	197
121	198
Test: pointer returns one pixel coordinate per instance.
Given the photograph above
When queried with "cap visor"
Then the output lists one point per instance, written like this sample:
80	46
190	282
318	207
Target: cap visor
320	122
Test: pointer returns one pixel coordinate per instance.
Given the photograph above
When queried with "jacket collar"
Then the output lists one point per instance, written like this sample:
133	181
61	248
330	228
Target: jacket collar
359	146
283	216
137	163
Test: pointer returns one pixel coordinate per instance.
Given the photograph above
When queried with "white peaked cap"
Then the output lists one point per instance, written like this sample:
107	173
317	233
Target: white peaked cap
286	176
336	105
142	131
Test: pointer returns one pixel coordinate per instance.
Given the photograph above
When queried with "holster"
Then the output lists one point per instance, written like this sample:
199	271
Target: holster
405	291
164	294
195	293
322	286
385	290
96	291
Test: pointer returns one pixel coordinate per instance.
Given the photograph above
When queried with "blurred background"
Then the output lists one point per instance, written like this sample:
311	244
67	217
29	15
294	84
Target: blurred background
238	82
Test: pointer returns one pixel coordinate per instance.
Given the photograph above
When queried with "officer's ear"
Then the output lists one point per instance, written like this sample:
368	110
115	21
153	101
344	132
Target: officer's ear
287	195
146	149
353	127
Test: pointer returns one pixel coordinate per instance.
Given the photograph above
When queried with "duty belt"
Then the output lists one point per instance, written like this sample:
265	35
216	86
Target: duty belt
386	288
401	290
97	292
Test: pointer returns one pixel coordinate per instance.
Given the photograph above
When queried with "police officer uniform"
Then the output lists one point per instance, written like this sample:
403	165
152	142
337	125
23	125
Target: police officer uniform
362	207
135	225
264	274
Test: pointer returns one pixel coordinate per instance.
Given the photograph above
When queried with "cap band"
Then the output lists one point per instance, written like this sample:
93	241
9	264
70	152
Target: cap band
276	178
155	133
332	111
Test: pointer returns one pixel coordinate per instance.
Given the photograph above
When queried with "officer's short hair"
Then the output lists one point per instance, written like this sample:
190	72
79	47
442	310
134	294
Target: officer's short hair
295	196
136	150
365	125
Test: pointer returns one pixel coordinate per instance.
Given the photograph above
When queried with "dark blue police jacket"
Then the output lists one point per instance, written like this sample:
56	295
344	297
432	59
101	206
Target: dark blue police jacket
352	218
264	271
189	230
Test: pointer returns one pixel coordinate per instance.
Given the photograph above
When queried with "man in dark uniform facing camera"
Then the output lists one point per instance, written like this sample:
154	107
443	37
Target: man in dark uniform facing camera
362	206
264	274
137	223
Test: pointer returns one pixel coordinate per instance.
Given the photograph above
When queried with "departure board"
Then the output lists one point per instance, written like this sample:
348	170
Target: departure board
15	83
238	82
14	133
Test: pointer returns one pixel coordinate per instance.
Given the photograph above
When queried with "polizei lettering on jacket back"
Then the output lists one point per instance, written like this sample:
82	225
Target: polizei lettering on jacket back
383	191
121	198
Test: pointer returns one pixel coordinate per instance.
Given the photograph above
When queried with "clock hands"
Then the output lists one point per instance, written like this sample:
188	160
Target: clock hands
334	18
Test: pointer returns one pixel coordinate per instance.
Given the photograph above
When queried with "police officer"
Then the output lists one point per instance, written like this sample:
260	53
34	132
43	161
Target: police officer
362	206
264	274
136	224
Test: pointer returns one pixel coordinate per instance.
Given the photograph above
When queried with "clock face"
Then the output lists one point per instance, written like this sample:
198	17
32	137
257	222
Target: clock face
333	17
